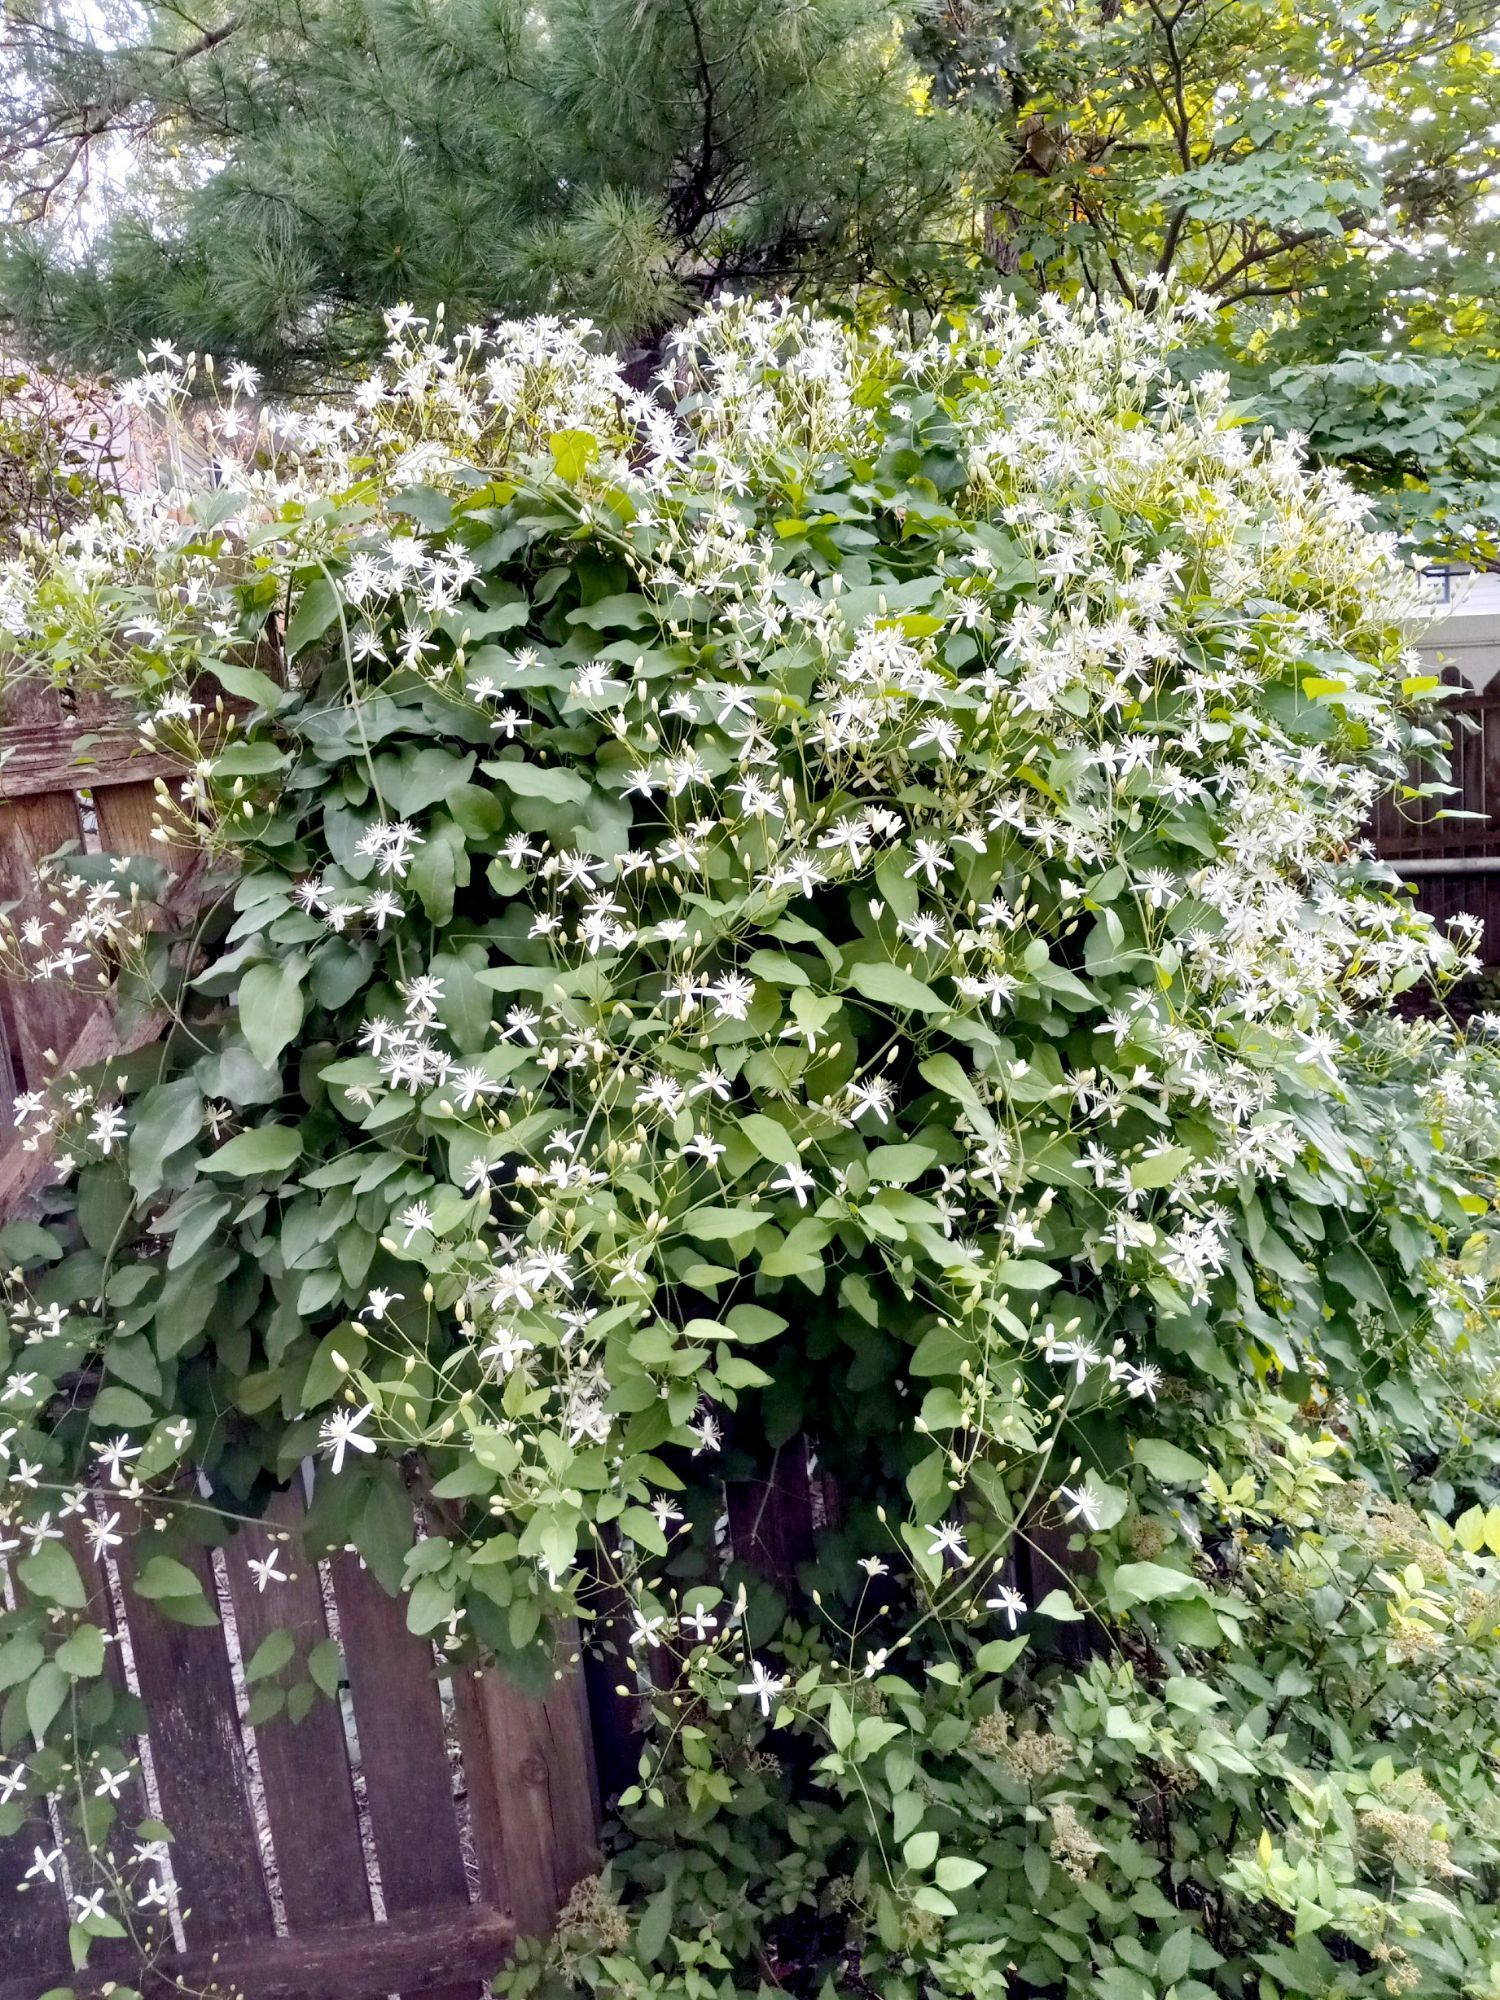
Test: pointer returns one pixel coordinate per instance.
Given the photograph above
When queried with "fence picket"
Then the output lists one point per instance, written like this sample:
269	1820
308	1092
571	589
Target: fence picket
304	1766
531	1756
201	1769
46	1016
33	1915
404	1754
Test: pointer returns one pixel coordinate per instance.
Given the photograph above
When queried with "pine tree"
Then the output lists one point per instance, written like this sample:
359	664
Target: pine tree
300	167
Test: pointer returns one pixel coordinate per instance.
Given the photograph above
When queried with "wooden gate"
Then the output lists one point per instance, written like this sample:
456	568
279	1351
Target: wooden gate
397	1838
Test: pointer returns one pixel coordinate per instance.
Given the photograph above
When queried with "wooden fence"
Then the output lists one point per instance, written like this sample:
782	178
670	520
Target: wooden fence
1454	864
396	1839
393	1841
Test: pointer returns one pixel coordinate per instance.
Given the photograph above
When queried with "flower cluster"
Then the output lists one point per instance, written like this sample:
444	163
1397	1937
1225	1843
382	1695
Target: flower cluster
831	895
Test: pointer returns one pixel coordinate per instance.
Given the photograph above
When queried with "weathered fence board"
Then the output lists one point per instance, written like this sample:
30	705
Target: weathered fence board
276	1889
404	1753
460	1947
201	1769
314	1829
535	1805
1413	829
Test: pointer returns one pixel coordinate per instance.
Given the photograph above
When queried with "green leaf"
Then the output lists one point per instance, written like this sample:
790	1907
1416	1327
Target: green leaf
955	1871
840	1723
165	1119
1150	1583
50	1572
256	758
771	1140
1162	1168
46	1692
325	1379
1059	1606
642	1526
554	782
1194	1697
999	1654
247	684
573	452
271	1655
893	986
434	875
921	1850
19	1659
723	1225
1175	1959
655	1925
26	1242
121	1409
325	1666
945	1073
266	1703
176	1592
1026	1274
753	1323
316	610
428	1604
271	1006
81	1654
264	1149
1168	1463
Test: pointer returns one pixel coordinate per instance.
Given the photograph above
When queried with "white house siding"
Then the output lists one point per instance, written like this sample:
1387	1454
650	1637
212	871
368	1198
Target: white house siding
1466	628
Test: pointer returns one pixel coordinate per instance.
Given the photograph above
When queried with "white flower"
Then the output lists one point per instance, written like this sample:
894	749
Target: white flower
1082	1504
1144	1381
762	1687
101	1535
948	1540
341	1430
646	1630
731	996
706	1432
264	1568
874	1096
1010	1603
932	861
471	1084
794	1180
114	1456
417	1216
108	1128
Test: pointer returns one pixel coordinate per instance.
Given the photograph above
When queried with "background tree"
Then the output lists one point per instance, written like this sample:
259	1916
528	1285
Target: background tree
300	168
281	173
1321	173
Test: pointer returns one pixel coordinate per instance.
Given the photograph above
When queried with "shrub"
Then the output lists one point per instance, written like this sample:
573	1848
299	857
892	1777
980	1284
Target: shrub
830	897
